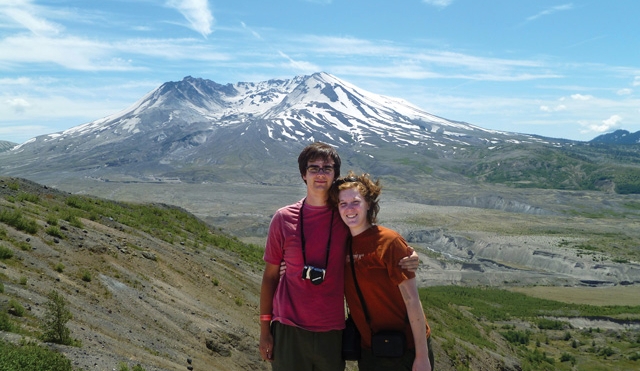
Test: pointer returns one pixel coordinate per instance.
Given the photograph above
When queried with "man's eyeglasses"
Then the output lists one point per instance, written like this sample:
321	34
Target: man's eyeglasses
315	169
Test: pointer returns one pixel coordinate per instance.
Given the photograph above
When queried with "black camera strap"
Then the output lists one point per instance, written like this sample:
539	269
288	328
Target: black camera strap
304	240
355	281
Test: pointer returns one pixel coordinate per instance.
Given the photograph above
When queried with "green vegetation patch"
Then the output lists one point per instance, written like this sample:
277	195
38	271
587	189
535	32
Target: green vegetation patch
580	167
17	220
169	223
465	318
495	304
31	357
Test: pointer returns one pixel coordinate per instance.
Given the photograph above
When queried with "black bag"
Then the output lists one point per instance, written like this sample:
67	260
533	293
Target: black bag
388	344
350	341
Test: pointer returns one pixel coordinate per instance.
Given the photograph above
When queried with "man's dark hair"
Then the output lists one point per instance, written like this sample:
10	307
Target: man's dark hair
316	151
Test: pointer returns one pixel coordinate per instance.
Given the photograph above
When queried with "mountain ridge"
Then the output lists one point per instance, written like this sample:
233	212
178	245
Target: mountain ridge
6	145
618	137
196	130
188	128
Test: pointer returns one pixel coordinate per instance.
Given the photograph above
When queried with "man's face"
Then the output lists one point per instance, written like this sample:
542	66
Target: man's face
320	175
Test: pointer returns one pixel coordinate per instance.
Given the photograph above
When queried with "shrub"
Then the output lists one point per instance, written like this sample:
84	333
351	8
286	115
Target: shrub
74	220
24	246
124	367
52	219
31	357
566	357
5	253
54	322
516	337
22	196
18	221
606	352
59	267
539	360
16	308
548	324
54	231
5	322
86	275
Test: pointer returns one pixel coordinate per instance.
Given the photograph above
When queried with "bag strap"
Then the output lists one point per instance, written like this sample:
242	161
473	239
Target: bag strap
355	281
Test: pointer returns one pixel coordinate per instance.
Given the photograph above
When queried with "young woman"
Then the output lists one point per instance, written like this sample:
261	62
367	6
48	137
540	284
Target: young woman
390	294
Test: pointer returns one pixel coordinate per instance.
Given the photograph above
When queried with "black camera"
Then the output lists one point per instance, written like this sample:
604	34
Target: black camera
316	275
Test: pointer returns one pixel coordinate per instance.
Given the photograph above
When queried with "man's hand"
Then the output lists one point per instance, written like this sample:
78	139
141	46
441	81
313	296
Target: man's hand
411	262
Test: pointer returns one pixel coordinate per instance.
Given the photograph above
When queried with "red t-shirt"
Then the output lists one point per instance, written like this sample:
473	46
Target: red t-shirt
376	253
299	302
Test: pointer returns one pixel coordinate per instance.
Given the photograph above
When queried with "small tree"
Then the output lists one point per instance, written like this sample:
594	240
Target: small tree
54	323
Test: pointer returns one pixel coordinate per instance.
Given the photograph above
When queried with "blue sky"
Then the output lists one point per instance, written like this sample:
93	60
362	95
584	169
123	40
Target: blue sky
564	69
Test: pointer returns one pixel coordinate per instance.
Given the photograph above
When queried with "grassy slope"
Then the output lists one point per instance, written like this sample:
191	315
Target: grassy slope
196	264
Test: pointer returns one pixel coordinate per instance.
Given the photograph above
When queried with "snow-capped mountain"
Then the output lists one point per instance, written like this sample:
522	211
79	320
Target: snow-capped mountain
196	129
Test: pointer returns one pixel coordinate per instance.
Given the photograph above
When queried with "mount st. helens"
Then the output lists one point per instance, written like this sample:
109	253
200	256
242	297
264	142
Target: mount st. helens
197	130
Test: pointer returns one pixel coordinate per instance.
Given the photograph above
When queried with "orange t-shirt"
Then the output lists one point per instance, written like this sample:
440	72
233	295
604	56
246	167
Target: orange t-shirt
376	254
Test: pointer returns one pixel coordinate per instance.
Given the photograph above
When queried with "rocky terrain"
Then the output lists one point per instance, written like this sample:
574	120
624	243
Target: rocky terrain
495	236
166	306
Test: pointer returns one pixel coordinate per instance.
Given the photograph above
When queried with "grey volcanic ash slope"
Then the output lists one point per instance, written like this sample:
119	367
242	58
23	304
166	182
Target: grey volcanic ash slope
146	284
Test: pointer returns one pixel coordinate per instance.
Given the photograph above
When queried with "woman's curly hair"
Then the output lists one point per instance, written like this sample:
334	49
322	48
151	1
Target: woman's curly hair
369	189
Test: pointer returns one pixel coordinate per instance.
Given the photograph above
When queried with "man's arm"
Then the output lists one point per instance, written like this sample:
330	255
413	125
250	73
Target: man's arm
270	279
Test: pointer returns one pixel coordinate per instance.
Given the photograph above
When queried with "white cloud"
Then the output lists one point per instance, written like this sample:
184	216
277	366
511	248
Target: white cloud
581	97
24	14
550	11
625	92
302	66
15	81
407	63
602	127
254	33
438	3
81	54
197	14
19	105
72	52
560	107
636	81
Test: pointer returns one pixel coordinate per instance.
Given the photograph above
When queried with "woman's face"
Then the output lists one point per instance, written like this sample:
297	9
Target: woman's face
353	210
